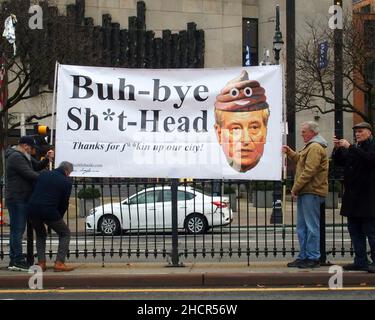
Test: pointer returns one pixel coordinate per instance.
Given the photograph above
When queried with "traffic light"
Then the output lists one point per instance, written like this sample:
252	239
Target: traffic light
41	130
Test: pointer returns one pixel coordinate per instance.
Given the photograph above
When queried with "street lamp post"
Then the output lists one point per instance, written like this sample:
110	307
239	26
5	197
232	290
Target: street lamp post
277	214
278	37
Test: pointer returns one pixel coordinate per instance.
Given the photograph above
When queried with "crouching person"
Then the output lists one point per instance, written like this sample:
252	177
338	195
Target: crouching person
47	206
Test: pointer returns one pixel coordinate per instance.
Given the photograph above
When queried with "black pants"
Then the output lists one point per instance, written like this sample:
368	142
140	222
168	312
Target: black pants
60	227
359	229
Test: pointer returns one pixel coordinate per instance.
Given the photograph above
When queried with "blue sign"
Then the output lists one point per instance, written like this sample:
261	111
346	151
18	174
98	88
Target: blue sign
323	55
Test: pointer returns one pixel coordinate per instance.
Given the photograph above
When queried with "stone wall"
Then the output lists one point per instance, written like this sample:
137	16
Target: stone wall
220	19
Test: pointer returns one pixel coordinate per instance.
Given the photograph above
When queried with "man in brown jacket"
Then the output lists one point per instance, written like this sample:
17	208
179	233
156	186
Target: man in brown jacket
310	188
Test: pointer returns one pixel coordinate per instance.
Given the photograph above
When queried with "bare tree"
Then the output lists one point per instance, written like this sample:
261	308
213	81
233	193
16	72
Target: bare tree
315	85
74	39
30	71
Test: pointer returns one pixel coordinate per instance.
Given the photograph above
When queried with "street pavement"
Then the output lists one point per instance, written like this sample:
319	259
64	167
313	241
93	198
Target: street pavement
215	295
191	275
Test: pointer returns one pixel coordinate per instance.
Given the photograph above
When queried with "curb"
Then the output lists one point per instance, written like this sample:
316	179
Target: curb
186	280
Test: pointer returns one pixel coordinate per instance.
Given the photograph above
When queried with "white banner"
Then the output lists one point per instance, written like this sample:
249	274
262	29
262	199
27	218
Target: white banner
181	123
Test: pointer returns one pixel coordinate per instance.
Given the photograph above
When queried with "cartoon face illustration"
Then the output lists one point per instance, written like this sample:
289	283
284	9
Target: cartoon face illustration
241	114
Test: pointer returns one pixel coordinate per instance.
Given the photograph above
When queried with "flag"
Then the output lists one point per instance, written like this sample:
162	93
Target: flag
323	55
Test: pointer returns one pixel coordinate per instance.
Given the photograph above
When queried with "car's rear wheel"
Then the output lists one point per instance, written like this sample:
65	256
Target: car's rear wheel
196	223
109	225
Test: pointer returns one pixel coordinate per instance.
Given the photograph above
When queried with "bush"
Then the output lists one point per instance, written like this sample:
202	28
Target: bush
89	193
263	185
334	186
334	171
206	188
229	189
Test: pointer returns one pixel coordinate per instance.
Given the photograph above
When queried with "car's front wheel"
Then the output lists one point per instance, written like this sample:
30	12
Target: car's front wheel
196	224
109	225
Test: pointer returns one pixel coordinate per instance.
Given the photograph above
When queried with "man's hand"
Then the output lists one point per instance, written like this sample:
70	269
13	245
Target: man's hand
294	196
336	142
344	143
286	149
50	155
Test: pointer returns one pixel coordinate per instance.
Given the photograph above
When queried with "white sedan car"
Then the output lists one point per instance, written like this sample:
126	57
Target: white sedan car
151	209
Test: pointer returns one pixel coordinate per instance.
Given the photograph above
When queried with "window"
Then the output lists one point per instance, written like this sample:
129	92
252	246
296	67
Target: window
250	42
369	26
146	197
366	9
182	196
370	78
367	101
185	196
370	71
165	196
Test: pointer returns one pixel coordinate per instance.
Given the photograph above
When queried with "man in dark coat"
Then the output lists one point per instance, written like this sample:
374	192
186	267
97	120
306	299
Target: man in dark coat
358	203
48	204
20	175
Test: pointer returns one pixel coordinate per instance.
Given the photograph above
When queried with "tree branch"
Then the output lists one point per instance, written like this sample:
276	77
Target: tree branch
29	119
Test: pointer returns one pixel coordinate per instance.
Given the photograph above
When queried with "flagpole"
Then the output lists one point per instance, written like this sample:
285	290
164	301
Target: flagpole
284	175
53	108
4	118
278	213
277	47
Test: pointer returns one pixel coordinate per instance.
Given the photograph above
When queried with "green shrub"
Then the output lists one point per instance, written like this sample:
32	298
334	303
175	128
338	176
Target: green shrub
334	186
89	193
229	189
206	188
263	185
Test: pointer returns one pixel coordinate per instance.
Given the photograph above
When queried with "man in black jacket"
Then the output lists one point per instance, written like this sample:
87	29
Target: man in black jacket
358	203
48	204
20	175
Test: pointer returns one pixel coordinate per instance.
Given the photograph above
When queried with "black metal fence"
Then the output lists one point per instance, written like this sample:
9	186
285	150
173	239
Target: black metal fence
177	221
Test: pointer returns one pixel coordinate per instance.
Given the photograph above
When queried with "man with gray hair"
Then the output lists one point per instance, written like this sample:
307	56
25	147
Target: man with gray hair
358	201
310	188
47	206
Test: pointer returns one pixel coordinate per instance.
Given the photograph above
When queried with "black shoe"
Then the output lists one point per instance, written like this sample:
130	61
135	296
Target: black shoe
308	264
355	267
19	266
295	264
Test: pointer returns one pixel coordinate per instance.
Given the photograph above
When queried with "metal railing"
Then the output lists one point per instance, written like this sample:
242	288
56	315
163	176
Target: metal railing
177	221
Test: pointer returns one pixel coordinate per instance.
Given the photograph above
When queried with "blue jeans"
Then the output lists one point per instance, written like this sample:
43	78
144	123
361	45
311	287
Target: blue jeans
308	225
18	218
359	229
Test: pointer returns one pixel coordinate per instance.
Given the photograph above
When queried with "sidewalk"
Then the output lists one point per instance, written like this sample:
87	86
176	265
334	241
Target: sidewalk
158	275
